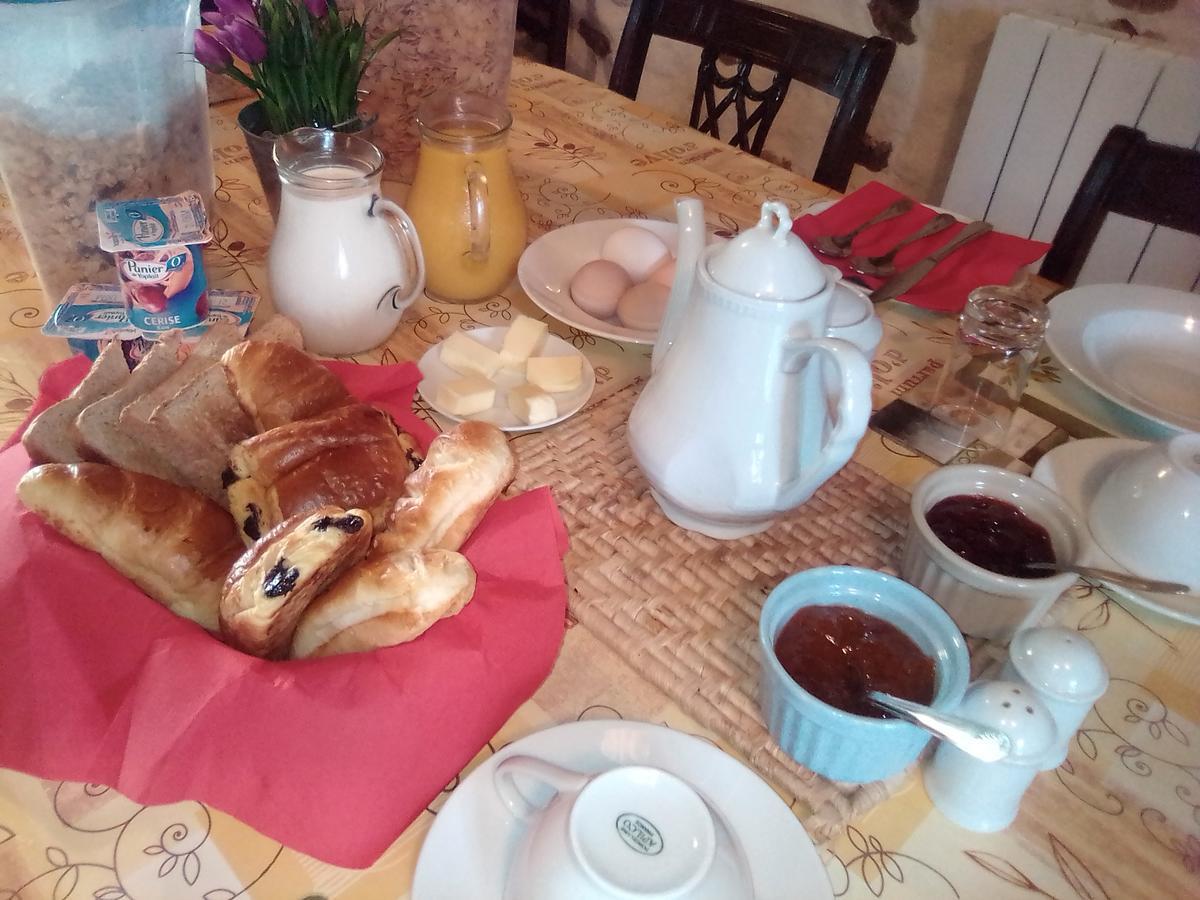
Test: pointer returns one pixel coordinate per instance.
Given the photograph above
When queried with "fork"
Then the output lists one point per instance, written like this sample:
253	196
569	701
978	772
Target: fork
884	264
838	245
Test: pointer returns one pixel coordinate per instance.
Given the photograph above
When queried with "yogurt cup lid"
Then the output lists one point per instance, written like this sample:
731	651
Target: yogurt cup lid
152	222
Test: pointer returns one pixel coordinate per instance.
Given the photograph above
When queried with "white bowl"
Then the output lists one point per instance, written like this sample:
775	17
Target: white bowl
983	603
1146	514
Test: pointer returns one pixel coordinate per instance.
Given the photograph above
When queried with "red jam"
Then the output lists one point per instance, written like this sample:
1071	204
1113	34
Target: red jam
839	653
992	534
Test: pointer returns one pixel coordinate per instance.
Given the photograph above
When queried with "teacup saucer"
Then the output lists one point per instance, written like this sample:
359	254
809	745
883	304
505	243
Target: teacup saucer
475	826
1075	470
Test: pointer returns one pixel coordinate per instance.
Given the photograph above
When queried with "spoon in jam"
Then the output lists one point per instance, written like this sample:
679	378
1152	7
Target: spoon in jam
980	741
1124	579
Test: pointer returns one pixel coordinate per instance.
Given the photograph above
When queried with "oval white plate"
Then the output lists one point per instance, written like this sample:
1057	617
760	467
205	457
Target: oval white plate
469	847
437	373
1139	346
1075	470
548	264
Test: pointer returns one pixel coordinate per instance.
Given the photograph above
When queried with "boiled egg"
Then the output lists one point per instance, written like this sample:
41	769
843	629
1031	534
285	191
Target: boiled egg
636	250
597	287
665	273
642	306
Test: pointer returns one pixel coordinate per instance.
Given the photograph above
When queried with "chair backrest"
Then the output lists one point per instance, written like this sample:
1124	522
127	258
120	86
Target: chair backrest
1133	176
547	22
837	62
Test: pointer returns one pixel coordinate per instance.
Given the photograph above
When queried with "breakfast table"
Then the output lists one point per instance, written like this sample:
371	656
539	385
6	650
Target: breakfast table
1120	818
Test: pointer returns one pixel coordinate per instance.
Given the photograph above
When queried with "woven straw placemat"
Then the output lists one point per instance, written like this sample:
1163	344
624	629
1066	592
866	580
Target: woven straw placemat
683	608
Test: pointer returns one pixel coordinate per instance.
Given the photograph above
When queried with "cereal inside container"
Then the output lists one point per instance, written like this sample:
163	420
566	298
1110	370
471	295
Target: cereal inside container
101	99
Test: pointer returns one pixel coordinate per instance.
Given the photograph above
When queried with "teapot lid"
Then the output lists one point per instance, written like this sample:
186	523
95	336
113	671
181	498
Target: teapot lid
768	261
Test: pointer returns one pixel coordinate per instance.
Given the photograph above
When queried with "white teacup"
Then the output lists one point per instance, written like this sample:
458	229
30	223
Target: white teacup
1146	514
633	831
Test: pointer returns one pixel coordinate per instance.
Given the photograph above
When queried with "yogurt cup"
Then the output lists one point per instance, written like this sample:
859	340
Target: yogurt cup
157	244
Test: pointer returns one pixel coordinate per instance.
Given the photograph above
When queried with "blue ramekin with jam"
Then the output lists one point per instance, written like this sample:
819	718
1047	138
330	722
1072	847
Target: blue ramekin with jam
831	634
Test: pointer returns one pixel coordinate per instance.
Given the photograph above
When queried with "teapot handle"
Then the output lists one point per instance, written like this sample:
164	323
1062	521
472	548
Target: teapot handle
409	243
562	780
850	415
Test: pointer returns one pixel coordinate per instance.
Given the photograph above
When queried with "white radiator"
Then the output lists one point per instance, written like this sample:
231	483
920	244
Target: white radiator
1049	94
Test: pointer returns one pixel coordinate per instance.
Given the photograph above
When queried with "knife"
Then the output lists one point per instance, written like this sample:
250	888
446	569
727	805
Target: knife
903	281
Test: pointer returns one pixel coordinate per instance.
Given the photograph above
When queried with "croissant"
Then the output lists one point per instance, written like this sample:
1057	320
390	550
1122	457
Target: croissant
444	500
173	543
387	599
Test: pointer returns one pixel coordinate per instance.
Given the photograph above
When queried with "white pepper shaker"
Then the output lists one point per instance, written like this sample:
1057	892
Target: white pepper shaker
983	796
1068	675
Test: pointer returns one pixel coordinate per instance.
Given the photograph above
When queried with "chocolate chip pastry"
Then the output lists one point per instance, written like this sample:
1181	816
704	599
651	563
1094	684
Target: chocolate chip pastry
271	585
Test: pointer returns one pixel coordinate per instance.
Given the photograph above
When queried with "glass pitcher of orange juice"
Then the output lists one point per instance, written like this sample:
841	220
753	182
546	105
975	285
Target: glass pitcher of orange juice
464	200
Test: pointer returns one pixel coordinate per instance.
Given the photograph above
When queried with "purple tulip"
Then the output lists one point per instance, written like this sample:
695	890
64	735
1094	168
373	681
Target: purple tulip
210	53
245	40
239	9
317	8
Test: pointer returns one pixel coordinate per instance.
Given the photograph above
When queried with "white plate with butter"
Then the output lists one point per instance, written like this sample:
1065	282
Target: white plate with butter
437	374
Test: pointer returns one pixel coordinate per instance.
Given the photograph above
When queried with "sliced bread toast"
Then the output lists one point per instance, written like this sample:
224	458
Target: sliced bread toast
52	436
99	422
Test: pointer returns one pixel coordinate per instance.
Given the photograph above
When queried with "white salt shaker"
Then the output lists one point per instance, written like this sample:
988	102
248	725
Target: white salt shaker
983	796
1067	674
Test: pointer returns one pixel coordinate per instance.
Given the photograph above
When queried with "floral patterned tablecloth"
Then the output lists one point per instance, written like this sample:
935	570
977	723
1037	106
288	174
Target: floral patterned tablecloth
1119	819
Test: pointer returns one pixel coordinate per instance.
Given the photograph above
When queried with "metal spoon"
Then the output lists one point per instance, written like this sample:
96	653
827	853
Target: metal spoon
883	265
987	744
839	244
1124	579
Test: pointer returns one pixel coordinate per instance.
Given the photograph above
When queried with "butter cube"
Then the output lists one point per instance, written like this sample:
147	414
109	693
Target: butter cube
521	340
466	396
469	357
555	373
532	405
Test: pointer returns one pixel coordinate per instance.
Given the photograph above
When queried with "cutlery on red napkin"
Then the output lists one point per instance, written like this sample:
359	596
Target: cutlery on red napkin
994	258
333	757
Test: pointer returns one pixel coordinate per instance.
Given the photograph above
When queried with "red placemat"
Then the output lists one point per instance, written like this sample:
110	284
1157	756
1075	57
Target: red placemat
333	757
994	258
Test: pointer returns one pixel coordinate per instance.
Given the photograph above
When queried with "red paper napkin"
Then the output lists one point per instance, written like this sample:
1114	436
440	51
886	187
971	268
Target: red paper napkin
992	259
333	757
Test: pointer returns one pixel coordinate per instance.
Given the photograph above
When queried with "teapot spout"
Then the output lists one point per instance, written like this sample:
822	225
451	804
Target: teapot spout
690	214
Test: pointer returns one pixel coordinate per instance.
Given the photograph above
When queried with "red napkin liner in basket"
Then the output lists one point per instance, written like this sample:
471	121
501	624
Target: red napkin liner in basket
333	757
994	258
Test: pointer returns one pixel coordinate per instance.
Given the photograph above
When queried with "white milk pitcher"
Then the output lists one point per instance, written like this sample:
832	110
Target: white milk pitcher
345	263
750	407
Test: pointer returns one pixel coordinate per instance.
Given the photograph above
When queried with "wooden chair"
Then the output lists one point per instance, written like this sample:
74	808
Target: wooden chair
1133	176
547	22
839	63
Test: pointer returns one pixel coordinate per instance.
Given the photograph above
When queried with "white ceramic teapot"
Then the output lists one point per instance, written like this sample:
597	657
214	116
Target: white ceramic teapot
749	408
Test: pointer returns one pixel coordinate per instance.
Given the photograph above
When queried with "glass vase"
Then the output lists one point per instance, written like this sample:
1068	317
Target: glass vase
460	45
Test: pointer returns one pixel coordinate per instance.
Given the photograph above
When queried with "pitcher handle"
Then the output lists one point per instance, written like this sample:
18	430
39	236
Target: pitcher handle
562	780
477	212
850	417
409	242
